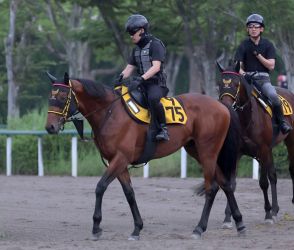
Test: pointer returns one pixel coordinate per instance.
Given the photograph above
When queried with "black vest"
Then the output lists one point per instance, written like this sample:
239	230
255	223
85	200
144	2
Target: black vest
142	58
144	63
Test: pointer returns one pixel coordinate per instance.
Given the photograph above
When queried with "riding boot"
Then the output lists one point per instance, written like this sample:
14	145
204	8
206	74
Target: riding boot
284	126
160	115
163	134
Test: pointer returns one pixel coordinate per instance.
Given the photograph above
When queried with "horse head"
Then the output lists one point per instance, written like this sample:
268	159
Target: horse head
62	104
233	87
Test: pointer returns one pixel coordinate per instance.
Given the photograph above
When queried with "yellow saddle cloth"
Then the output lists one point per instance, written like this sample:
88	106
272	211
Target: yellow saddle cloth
287	108
174	112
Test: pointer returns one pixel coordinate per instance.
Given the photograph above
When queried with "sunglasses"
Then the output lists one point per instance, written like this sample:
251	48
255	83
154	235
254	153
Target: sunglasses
133	32
254	26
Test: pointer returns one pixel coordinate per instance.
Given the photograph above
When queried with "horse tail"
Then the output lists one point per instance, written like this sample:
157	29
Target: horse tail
228	156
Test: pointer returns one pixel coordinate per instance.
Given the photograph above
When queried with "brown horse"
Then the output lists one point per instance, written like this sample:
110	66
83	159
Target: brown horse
257	133
120	140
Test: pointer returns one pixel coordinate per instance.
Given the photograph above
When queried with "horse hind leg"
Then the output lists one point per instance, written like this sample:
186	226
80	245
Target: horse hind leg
290	148
125	182
209	198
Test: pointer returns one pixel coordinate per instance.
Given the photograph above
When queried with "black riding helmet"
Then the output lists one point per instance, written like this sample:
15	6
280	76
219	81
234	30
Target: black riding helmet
255	18
136	22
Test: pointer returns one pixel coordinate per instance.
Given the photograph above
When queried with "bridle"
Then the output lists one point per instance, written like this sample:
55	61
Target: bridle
66	114
236	97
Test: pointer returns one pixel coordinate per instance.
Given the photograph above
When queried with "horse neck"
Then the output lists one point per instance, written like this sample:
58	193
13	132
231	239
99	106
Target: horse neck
244	101
93	108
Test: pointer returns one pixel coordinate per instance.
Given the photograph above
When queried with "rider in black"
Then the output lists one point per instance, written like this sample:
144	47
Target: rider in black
148	59
257	54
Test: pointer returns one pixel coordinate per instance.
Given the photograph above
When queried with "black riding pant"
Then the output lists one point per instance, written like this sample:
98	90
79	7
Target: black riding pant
154	93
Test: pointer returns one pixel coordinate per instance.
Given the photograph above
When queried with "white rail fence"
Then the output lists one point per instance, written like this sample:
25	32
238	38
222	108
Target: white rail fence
74	154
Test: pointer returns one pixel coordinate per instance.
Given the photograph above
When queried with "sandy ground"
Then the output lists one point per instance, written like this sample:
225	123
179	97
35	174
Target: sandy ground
56	213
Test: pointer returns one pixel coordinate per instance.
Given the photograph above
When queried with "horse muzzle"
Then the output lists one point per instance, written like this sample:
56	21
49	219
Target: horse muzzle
54	128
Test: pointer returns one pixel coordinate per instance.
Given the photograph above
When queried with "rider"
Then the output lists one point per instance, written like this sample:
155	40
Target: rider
148	57
257	55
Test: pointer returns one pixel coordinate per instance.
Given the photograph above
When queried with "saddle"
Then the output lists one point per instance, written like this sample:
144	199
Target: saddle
267	105
137	106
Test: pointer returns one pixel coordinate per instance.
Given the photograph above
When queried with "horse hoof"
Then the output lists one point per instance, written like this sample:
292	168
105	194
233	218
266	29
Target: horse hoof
241	229
227	225
269	221
134	237
96	236
242	232
196	236
275	219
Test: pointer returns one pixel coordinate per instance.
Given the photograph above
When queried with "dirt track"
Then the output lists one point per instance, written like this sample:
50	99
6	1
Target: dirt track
56	213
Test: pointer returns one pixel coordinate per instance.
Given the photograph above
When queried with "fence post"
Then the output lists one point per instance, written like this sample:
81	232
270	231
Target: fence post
74	156
40	157
8	156
183	163
146	171
255	170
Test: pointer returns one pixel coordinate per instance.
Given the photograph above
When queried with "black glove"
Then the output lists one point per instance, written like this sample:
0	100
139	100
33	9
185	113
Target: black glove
255	50
248	77
118	80
135	83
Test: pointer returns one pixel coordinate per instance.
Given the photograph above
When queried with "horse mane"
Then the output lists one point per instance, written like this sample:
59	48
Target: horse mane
93	88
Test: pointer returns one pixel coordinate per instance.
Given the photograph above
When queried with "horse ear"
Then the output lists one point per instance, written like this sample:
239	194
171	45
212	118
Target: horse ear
237	66
220	67
51	77
66	78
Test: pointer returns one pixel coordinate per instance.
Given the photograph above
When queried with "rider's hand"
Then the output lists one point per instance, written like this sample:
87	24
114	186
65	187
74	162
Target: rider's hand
248	77
256	50
118	80
135	83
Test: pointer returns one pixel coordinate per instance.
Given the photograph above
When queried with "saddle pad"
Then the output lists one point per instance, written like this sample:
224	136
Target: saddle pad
174	112
287	108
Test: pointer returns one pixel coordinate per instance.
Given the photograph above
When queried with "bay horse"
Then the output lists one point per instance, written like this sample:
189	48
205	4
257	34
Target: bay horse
208	136
257	134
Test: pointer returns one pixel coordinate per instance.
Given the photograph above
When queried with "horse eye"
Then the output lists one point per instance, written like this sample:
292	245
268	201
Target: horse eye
62	97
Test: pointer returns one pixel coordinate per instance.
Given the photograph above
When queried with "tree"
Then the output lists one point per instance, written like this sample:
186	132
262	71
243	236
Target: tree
13	86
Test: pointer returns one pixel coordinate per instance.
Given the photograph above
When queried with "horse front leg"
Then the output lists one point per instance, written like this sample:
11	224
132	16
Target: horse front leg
126	184
116	166
101	187
264	184
227	223
227	188
268	171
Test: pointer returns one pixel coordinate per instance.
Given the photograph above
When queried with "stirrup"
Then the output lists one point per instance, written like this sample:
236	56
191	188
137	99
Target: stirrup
285	128
162	135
